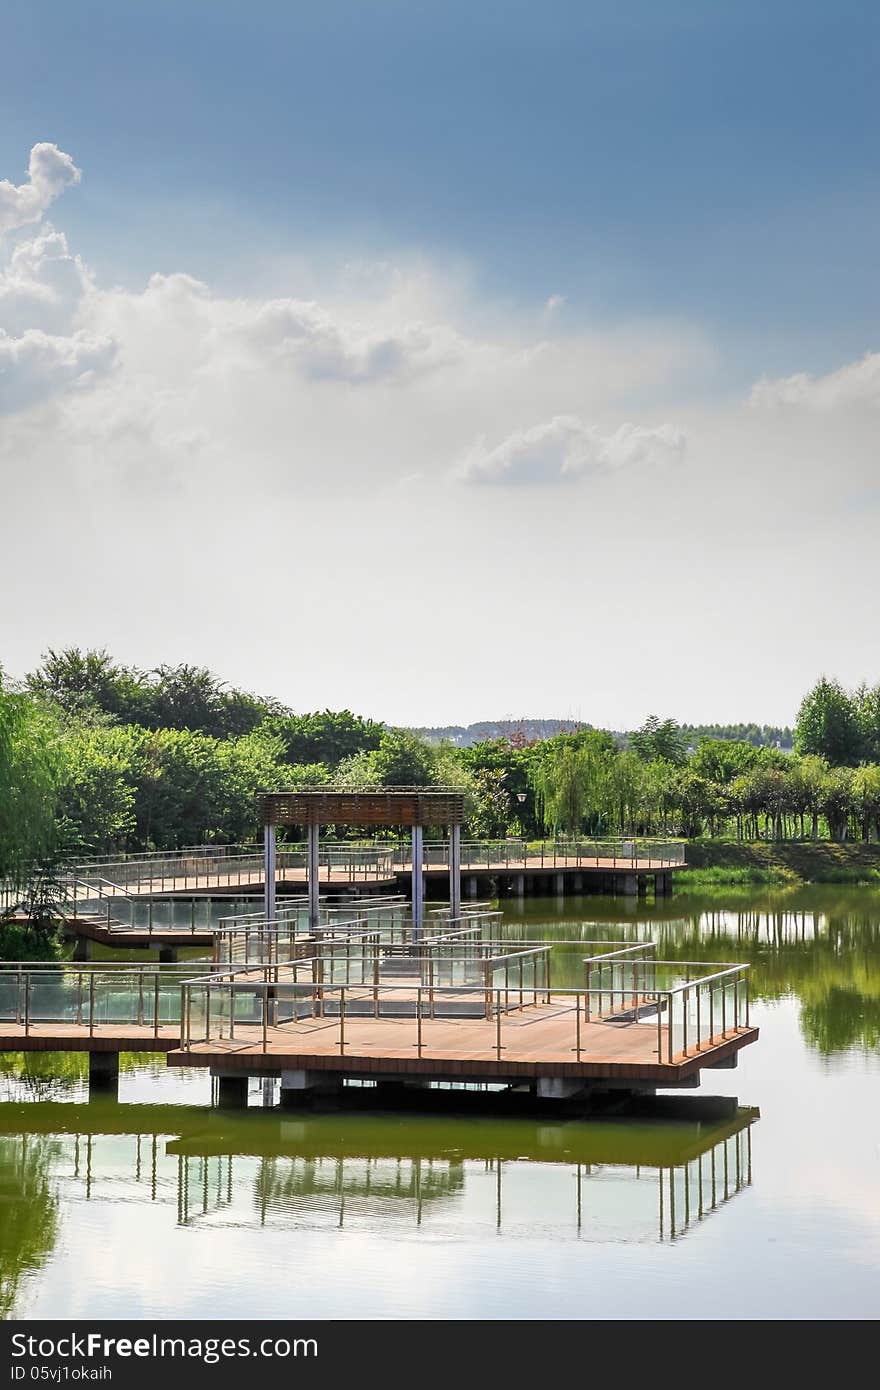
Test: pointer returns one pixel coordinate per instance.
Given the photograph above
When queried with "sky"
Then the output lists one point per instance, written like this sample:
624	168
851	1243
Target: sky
444	361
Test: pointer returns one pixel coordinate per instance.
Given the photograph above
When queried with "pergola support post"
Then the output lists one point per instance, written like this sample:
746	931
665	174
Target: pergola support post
455	870
314	878
418	881
269	872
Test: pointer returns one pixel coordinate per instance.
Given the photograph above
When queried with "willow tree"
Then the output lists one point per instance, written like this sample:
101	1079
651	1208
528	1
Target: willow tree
565	785
28	775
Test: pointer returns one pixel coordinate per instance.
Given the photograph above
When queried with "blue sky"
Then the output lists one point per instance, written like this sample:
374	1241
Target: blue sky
581	296
712	160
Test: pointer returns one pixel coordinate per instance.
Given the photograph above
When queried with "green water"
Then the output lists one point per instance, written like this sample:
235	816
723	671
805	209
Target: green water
159	1206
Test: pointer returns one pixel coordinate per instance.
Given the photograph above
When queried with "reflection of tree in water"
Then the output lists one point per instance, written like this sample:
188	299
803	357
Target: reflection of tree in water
842	1019
41	1075
823	948
28	1213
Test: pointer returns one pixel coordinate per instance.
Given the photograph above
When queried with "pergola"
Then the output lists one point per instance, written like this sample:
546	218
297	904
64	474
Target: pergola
410	807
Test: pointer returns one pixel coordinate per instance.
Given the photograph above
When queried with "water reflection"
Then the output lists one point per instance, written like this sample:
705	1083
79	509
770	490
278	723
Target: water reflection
621	1182
28	1211
819	944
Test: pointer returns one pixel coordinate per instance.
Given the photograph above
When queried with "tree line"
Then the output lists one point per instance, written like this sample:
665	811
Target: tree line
97	758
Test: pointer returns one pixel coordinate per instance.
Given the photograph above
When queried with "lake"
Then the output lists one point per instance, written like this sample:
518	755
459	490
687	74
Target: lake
158	1206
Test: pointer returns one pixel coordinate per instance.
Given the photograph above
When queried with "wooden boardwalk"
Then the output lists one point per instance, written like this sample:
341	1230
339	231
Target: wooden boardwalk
539	1041
340	876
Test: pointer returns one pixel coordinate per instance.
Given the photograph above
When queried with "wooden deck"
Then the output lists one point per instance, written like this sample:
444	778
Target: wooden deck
72	1037
341	876
537	1041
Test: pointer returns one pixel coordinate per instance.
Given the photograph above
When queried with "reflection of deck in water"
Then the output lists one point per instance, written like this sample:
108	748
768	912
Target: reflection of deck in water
602	1182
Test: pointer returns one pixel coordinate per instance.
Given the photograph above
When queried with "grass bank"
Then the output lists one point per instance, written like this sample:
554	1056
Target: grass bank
728	862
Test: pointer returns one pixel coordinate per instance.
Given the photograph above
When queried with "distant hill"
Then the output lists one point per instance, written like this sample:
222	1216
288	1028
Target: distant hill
531	730
761	735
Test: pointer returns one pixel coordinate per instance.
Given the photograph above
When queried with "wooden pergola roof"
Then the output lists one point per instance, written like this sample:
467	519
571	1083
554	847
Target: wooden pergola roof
387	807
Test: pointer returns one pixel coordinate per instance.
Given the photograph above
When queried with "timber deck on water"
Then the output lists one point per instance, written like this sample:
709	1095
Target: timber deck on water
537	1041
342	876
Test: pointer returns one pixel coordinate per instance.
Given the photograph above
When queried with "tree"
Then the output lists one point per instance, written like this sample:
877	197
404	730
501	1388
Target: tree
192	697
96	790
90	682
29	760
659	739
329	737
828	724
722	760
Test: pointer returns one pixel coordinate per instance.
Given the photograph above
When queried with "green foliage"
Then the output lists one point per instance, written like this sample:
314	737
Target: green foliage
29	1204
722	760
329	737
29	761
828	724
659	739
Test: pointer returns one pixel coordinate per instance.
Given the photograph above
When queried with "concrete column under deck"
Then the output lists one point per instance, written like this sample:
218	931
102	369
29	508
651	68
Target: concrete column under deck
299	1086
520	885
559	880
83	948
104	1073
167	955
627	884
472	886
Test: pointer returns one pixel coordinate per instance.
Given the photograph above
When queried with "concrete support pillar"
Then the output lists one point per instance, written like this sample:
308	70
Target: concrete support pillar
314	875
269	872
472	886
559	880
232	1091
455	870
104	1073
643	885
418	881
167	955
520	885
579	883
662	885
83	948
300	1085
627	884
557	1087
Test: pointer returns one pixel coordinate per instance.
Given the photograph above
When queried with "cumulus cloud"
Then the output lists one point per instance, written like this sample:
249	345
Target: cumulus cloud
326	349
382	375
36	365
42	284
50	171
564	449
855	384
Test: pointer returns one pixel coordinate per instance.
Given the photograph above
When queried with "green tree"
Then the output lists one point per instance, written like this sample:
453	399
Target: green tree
86	683
29	760
328	737
828	724
722	760
659	738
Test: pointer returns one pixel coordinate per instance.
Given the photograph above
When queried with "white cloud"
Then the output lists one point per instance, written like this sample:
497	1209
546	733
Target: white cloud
564	448
36	365
50	171
42	284
855	384
554	304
